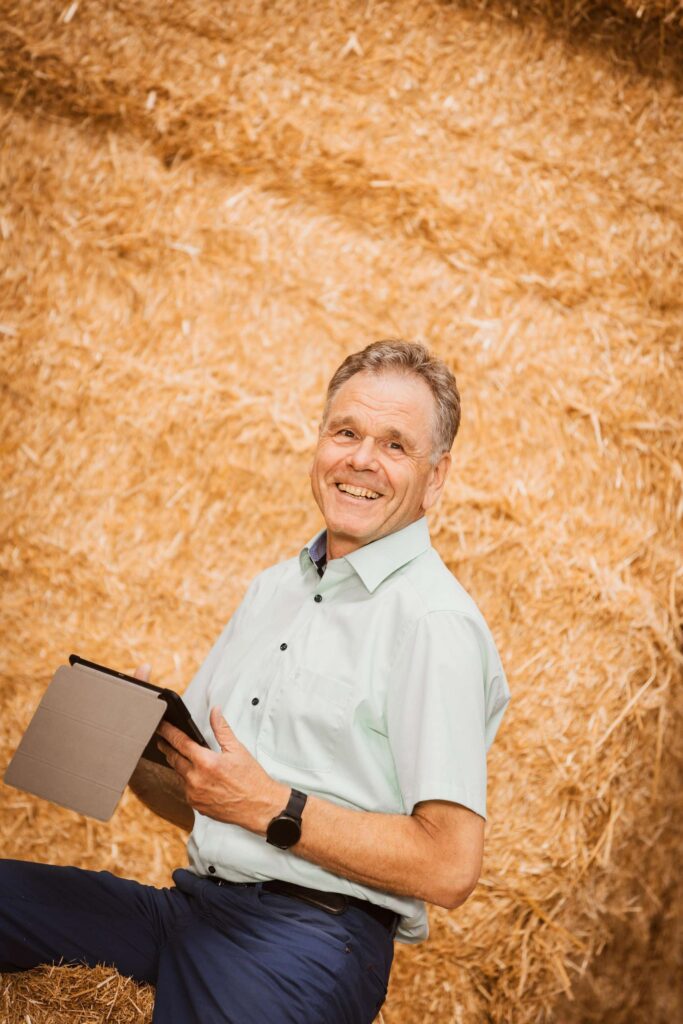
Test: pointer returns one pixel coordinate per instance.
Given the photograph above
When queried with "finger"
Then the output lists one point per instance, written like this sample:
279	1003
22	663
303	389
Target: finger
143	672
177	739
174	759
221	729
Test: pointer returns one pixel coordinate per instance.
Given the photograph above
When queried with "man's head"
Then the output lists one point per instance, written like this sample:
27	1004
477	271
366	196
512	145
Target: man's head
391	415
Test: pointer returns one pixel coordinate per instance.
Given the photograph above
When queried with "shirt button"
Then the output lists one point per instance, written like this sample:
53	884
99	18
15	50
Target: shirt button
212	870
254	701
318	598
283	647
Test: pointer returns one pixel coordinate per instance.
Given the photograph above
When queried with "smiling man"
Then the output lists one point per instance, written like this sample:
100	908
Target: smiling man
350	702
377	467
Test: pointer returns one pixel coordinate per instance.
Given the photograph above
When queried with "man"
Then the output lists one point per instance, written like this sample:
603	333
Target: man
350	701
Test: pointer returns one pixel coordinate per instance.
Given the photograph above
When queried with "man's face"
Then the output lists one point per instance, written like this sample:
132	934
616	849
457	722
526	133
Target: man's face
371	473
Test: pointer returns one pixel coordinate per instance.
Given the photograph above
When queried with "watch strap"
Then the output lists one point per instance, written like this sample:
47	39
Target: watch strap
295	804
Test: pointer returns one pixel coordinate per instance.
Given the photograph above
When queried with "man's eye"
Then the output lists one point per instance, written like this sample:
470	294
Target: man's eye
345	432
396	445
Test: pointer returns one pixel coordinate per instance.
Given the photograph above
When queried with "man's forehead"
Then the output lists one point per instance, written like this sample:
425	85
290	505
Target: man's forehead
402	404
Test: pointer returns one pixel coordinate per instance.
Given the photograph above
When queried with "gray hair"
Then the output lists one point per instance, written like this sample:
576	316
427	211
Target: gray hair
407	357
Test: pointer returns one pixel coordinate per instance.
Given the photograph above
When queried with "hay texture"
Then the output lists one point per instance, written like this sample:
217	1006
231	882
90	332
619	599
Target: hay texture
669	13
627	15
202	214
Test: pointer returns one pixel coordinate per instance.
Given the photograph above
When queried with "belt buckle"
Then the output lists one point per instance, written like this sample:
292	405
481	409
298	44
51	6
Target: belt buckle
333	902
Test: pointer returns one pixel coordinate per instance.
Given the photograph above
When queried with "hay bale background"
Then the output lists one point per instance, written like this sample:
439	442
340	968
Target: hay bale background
629	15
202	214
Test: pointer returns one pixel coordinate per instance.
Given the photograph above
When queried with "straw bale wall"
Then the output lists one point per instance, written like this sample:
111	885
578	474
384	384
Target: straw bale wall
668	12
630	15
201	214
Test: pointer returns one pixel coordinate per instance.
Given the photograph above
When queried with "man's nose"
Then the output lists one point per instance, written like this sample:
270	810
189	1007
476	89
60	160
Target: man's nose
364	455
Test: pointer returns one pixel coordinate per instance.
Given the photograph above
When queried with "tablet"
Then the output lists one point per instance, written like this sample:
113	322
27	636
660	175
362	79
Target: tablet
176	712
84	740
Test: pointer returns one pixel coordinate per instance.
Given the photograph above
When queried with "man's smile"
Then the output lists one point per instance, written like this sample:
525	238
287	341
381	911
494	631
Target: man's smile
358	492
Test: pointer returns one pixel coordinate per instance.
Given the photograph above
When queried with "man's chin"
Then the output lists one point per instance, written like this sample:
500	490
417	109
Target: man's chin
354	525
351	534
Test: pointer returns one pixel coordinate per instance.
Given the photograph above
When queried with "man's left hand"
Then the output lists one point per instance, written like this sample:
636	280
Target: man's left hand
229	786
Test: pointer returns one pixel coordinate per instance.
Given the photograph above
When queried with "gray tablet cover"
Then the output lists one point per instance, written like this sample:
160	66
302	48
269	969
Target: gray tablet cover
84	741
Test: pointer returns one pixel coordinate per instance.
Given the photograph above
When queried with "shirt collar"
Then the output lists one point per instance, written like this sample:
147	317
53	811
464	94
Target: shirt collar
374	562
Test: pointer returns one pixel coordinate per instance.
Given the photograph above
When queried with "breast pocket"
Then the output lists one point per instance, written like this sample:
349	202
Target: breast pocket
305	721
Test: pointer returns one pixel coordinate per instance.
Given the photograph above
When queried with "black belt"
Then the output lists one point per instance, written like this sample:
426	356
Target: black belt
332	902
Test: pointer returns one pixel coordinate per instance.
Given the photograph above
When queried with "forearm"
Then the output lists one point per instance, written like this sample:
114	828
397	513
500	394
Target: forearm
390	852
162	791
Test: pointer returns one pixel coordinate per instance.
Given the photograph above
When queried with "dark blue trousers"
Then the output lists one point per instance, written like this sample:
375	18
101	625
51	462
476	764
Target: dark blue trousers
215	953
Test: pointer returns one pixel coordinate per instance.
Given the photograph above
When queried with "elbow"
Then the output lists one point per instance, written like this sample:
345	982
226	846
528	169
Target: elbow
454	889
453	852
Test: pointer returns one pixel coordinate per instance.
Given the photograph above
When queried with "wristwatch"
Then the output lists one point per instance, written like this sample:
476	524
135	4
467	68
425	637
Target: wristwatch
284	830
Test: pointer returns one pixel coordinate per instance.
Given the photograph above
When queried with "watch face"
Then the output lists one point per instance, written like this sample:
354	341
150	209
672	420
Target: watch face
283	832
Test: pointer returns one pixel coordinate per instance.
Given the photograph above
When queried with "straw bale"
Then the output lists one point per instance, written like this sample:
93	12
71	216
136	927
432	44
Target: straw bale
61	995
194	233
647	34
628	16
669	12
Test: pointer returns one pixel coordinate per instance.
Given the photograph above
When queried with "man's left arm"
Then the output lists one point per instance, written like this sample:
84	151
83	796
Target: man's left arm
433	854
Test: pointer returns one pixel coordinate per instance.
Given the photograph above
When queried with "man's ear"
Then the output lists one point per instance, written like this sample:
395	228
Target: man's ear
437	479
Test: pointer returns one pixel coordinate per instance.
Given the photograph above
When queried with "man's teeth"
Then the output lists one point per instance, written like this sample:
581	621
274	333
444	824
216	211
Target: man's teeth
358	492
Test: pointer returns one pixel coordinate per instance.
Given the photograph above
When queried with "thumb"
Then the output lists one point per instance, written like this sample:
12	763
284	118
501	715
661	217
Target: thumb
143	672
221	729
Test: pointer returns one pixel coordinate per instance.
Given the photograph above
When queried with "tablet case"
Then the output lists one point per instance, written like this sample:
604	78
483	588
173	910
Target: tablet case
84	740
175	713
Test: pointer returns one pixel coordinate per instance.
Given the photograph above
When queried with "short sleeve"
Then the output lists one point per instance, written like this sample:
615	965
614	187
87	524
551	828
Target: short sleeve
196	693
446	699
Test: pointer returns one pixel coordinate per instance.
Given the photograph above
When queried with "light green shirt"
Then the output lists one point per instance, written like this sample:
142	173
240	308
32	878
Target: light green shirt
376	686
